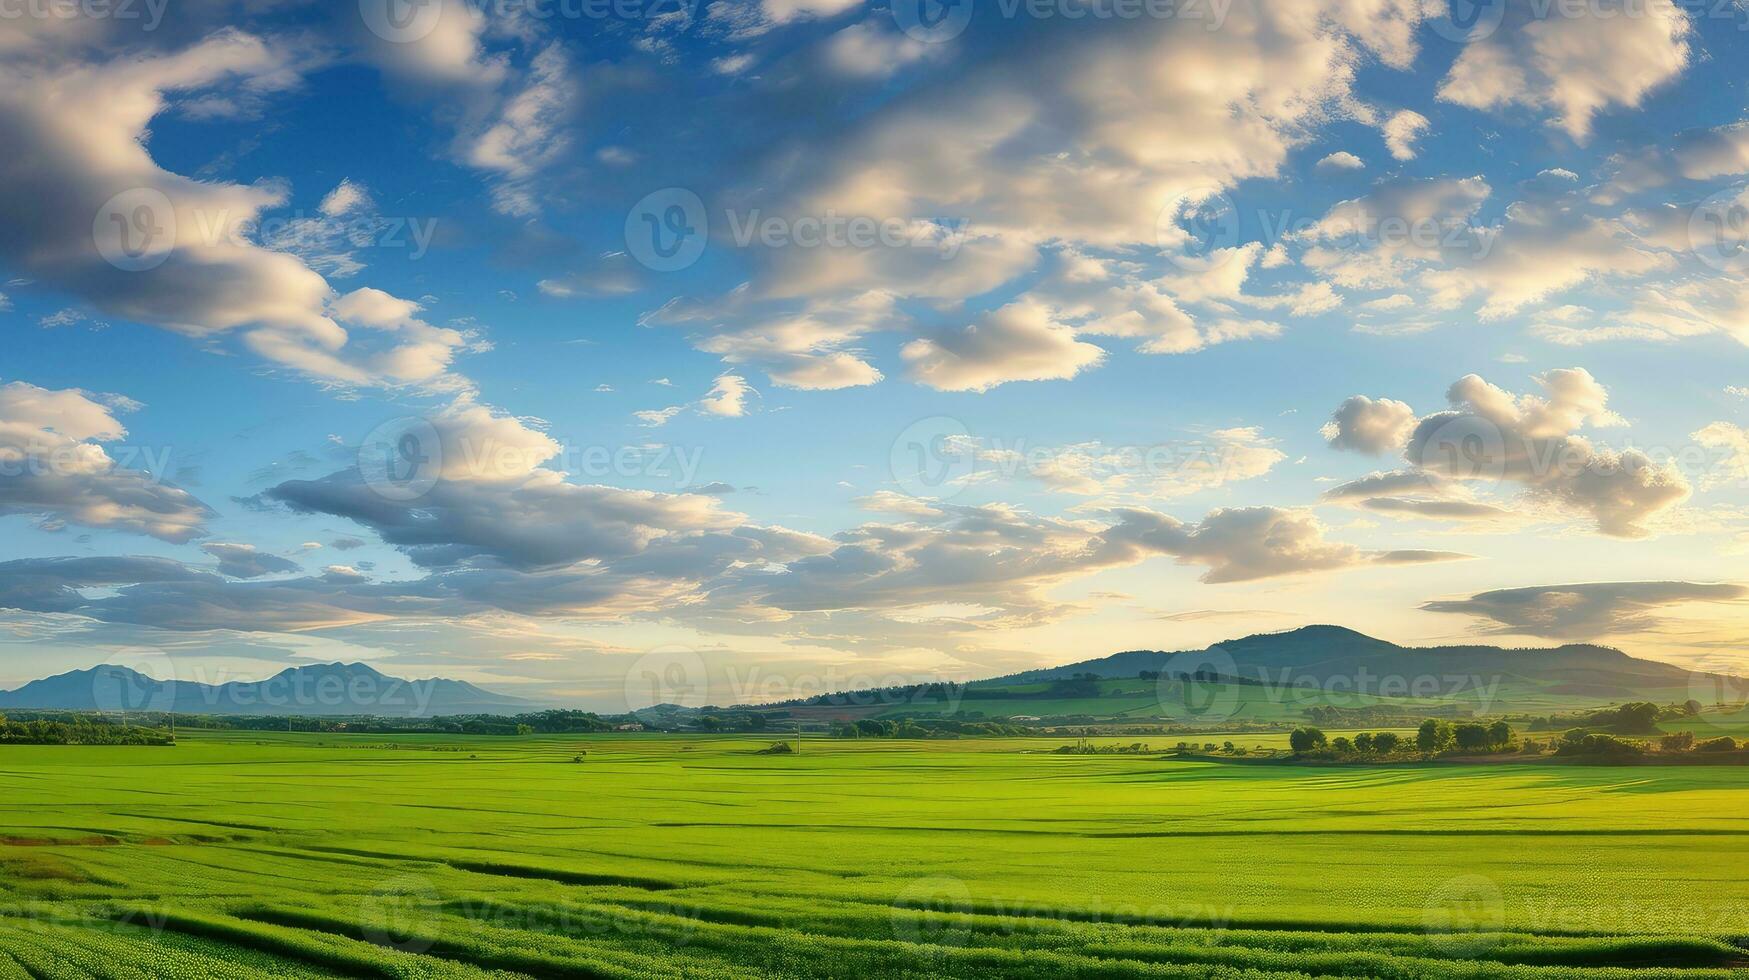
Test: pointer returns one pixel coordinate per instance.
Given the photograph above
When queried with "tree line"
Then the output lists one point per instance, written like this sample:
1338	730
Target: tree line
79	731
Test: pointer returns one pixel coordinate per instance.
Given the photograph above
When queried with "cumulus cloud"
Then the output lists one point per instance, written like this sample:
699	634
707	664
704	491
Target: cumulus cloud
1109	298
1363	425
1492	437
90	212
1339	161
1573	65
1425	233
1541	249
811	348
494	500
1019	342
1373	241
1020	165
52	464
1574	612
1693	154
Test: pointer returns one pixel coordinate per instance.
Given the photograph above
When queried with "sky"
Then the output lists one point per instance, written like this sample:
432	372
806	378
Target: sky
604	352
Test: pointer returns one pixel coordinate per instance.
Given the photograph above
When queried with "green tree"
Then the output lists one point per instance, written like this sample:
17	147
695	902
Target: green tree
1434	735
1306	739
1385	742
1471	737
1499	734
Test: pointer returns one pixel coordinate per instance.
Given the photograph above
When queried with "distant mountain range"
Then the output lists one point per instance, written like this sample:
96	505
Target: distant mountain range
1284	673
1580	670
320	689
1318	672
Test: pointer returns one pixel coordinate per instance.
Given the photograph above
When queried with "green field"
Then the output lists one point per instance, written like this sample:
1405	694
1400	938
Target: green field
317	855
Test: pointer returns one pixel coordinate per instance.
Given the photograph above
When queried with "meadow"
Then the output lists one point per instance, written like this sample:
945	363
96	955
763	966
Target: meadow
300	855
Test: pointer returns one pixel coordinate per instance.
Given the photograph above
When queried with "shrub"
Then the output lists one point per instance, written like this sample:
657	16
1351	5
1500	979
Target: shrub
1677	742
1342	744
1724	743
1363	742
1386	742
1597	743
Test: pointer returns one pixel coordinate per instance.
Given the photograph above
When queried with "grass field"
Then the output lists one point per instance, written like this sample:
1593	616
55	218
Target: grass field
317	855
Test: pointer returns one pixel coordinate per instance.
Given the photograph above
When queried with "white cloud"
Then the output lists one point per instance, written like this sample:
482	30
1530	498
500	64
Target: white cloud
181	256
1493	436
1573	64
727	397
1021	166
526	134
1019	342
654	418
1731	465
1401	132
1367	426
1341	160
347	197
52	464
874	49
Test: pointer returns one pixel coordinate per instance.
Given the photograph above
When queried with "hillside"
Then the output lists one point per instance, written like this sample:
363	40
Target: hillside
320	689
1271	678
1322	652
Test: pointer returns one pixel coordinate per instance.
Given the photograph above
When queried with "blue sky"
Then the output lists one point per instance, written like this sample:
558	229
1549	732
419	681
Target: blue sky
1153	292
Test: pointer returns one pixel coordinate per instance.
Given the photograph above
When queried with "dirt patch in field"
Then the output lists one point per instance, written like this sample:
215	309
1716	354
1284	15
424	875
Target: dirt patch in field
94	840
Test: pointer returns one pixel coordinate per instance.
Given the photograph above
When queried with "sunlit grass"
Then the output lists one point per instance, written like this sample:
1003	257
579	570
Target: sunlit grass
249	855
